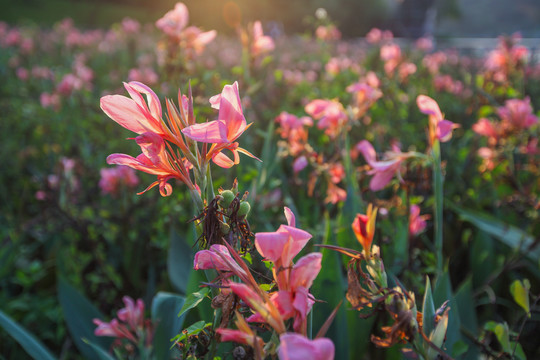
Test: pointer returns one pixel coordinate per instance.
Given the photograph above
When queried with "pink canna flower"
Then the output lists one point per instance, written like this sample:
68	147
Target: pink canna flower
298	347
260	44
196	39
174	21
517	114
439	128
132	325
385	169
219	258
486	128
224	131
335	194
284	244
135	114
330	113
417	222
133	313
244	335
155	160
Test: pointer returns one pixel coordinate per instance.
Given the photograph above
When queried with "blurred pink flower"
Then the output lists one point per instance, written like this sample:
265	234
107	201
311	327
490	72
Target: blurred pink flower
112	179
328	32
132	325
517	114
22	73
130	26
50	101
335	194
385	169
298	347
145	75
424	44
439	128
300	164
417	222
260	44
174	21
330	113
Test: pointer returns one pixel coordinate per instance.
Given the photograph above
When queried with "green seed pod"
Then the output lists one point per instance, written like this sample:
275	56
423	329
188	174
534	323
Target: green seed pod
244	209
227	198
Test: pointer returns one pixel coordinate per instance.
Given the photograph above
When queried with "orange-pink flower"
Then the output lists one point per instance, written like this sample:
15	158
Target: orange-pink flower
364	228
223	132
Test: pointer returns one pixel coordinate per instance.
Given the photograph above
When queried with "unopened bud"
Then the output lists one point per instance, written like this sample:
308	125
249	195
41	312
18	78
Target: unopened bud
227	198
244	209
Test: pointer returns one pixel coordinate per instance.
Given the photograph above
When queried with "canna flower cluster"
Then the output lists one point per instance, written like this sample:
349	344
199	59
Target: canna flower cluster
290	300
130	326
191	40
513	129
169	144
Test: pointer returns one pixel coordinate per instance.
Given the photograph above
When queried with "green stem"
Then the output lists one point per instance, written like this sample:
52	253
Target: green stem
438	205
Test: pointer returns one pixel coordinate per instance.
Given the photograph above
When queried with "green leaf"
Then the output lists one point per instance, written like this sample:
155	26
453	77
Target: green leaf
442	292
102	354
501	331
79	313
28	341
510	235
179	260
520	292
164	307
191	330
428	310
193	300
330	287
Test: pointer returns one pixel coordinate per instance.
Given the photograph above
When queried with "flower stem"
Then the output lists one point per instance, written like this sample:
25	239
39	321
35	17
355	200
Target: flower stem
438	205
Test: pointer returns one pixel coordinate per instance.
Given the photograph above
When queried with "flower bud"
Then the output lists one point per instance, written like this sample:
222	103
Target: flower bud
224	227
244	209
227	198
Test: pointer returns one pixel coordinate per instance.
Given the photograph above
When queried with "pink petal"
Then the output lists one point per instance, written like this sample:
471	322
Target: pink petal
382	178
222	160
429	106
135	88
297	347
270	244
444	130
125	112
368	151
306	270
209	132
230	110
289	215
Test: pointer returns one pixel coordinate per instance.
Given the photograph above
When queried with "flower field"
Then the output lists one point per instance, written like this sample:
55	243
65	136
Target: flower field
170	192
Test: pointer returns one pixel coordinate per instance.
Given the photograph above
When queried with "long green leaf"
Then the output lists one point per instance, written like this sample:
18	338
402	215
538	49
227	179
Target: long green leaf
28	341
442	291
179	260
330	287
79	313
165	306
428	310
507	234
101	353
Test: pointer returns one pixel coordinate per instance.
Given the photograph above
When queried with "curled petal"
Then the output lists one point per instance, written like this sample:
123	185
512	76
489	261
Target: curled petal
429	106
289	215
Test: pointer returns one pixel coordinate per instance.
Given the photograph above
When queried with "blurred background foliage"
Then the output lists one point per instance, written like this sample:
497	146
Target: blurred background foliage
405	18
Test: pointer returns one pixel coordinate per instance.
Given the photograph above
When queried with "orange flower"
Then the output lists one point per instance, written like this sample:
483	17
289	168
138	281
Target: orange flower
364	228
